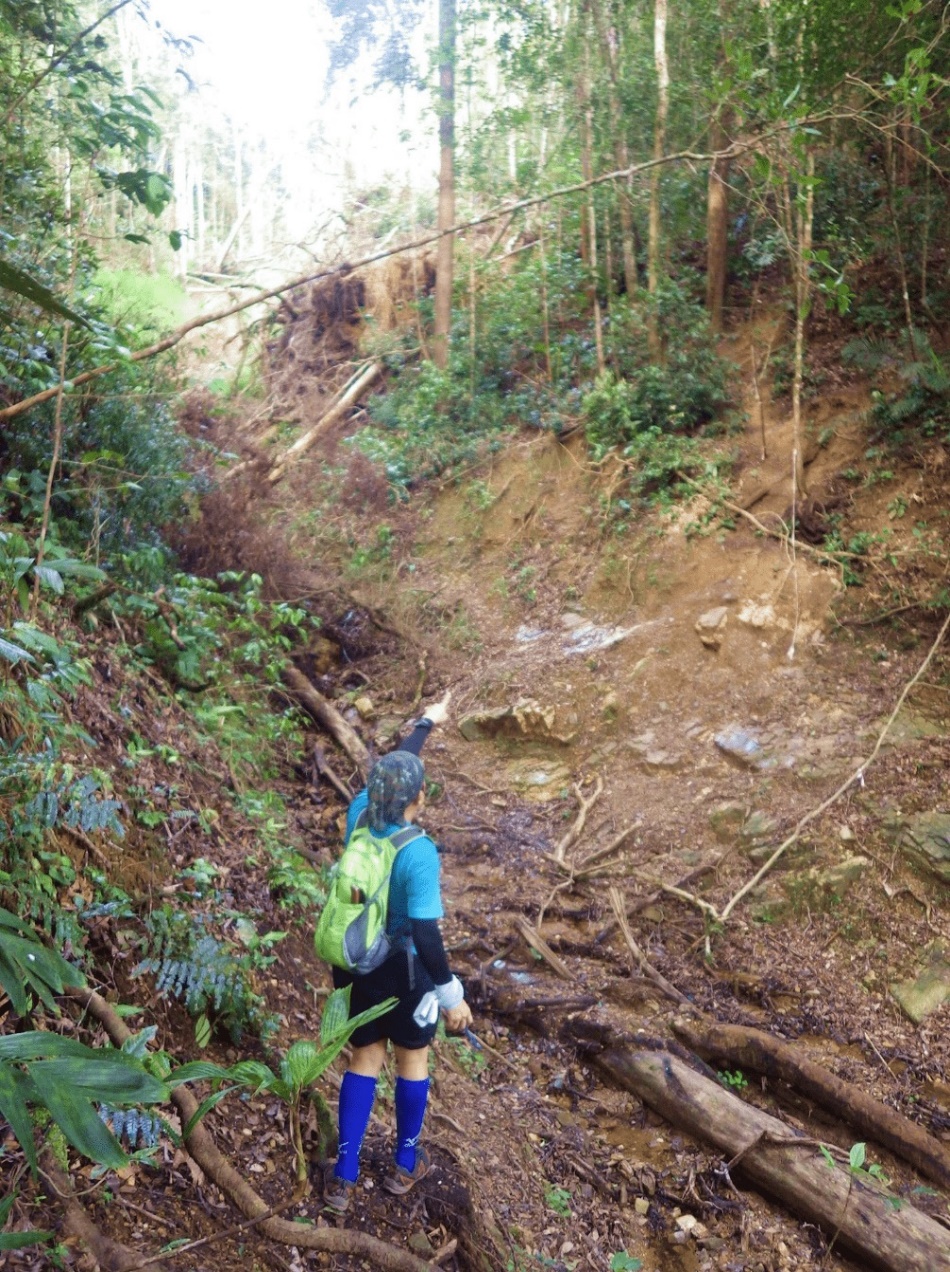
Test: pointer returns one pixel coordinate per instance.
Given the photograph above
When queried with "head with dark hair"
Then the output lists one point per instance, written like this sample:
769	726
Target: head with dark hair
394	783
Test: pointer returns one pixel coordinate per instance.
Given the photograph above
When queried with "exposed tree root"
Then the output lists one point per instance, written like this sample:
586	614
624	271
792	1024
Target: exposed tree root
111	1256
205	1152
762	1053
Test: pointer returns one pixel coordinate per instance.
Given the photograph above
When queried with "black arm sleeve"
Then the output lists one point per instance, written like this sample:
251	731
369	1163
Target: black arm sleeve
417	738
431	951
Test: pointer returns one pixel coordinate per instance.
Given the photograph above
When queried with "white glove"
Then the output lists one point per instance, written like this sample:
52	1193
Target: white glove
427	1012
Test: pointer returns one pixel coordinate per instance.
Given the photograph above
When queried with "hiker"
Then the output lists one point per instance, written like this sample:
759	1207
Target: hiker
416	972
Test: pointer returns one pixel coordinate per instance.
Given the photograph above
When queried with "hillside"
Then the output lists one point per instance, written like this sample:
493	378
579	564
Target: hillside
684	695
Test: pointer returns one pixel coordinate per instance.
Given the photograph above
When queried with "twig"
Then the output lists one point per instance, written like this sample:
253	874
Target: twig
578	826
690	897
641	903
215	1236
586	862
485	1046
647	968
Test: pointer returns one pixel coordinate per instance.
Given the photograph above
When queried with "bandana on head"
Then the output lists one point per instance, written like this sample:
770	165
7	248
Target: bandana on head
394	782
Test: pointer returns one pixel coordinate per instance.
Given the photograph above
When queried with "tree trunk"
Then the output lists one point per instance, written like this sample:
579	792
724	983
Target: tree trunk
608	43
446	214
804	221
855	1212
659	143
717	231
588	218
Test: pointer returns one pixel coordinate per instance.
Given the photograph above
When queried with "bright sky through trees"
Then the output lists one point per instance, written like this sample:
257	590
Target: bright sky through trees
267	74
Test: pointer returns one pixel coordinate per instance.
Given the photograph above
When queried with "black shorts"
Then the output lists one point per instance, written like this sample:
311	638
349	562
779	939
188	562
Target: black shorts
402	976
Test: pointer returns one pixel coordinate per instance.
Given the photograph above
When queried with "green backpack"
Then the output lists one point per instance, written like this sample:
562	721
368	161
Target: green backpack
351	932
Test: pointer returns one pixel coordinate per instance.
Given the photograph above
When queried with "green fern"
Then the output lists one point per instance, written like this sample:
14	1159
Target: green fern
208	975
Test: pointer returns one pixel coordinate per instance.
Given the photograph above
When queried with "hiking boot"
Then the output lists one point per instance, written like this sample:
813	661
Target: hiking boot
401	1180
337	1192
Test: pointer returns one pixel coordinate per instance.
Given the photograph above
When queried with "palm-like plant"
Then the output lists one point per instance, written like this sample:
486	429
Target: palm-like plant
304	1063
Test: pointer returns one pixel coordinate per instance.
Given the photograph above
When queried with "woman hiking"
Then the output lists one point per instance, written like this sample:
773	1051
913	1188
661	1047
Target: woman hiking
416	973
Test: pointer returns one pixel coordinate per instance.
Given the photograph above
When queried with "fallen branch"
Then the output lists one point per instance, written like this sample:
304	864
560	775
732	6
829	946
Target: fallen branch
751	1049
201	1146
647	968
336	412
324	770
539	944
641	903
327	716
852	1210
579	821
347	267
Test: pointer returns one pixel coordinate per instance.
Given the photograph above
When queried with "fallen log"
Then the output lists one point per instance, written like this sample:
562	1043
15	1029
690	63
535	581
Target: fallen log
336	412
760	1052
886	1233
327	716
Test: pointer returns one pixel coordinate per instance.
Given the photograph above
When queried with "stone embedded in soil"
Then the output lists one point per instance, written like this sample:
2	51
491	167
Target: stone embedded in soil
524	720
538	780
710	627
931	989
741	746
726	820
926	839
837	879
757	827
911	727
757	616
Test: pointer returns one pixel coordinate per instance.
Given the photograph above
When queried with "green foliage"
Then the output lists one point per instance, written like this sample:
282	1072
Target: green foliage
124	477
428	422
68	1079
558	1200
212	977
28	968
18	1240
623	1262
140	304
304	1064
736	1080
858	1167
638	396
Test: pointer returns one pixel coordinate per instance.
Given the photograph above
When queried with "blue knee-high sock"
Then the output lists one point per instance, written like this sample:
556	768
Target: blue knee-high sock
411	1100
357	1092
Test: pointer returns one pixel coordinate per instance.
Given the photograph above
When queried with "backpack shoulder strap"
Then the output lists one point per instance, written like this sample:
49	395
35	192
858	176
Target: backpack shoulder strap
405	836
